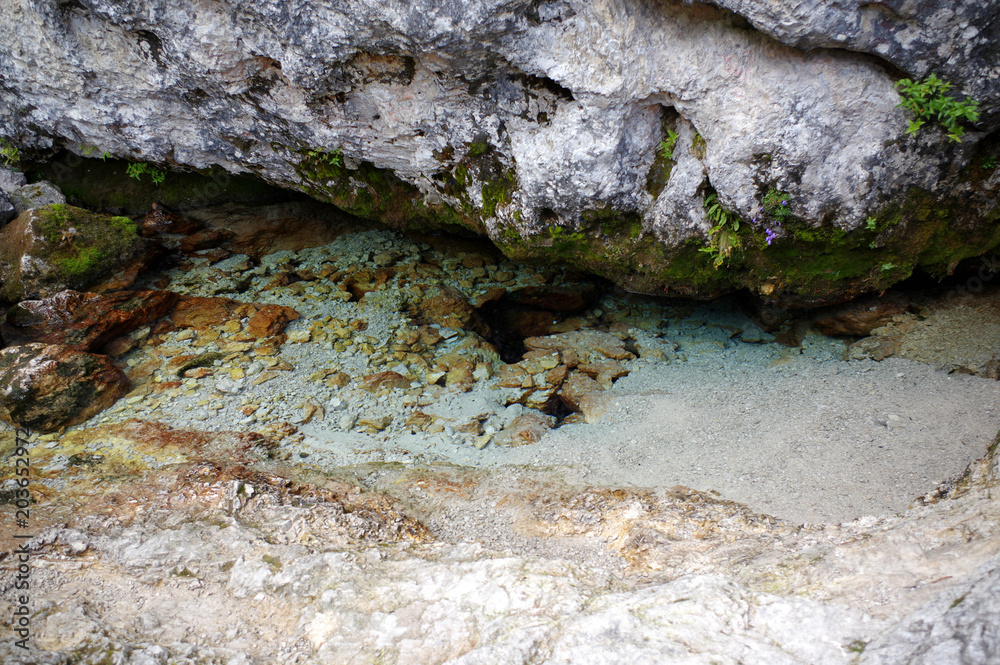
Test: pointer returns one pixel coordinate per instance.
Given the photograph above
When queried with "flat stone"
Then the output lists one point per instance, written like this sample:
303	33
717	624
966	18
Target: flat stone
384	381
859	317
577	387
526	429
84	321
588	345
205	239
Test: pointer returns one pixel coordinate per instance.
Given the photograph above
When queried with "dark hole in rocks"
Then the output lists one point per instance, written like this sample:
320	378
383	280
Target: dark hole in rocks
557	408
535	311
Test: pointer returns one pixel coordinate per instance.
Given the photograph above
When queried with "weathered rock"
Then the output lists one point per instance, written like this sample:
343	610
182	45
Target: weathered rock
587	345
450	309
223	314
7	211
206	313
961	626
162	220
270	320
206	239
84	321
525	430
939	335
460	374
60	247
859	317
909	37
384	381
48	387
576	389
370	106
10	180
37	195
555	298
264	229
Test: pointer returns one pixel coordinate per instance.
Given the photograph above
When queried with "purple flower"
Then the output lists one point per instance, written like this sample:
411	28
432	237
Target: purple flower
771	235
784	203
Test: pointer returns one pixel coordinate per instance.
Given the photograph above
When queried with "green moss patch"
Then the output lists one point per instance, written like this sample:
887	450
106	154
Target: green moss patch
378	194
82	248
806	265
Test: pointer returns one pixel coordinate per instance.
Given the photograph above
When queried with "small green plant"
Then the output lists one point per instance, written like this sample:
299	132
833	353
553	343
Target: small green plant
776	204
666	149
989	163
334	158
857	646
723	237
927	101
870	224
137	170
477	148
887	266
89	150
9	153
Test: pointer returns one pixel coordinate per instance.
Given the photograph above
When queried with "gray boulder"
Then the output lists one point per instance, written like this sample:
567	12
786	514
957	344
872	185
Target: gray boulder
11	180
37	195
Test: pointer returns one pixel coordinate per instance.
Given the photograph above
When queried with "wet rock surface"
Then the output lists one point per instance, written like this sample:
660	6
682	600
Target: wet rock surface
322	458
476	566
84	321
48	387
957	333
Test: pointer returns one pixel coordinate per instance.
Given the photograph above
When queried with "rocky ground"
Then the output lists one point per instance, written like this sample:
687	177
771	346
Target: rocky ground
408	449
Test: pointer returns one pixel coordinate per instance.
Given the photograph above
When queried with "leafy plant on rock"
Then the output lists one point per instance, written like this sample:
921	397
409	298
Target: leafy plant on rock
137	170
334	158
666	148
723	237
9	153
927	101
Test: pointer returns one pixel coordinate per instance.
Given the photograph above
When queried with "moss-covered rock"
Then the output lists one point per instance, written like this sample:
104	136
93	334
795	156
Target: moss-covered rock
59	247
372	193
804	265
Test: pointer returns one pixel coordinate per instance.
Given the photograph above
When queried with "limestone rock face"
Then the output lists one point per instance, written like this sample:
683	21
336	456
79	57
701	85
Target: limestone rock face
540	124
960	41
46	387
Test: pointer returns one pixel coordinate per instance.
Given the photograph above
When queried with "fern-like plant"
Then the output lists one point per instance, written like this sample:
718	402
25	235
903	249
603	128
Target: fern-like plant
927	101
723	237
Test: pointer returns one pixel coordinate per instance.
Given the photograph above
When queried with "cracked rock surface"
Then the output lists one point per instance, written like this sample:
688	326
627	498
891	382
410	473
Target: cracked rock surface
517	118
